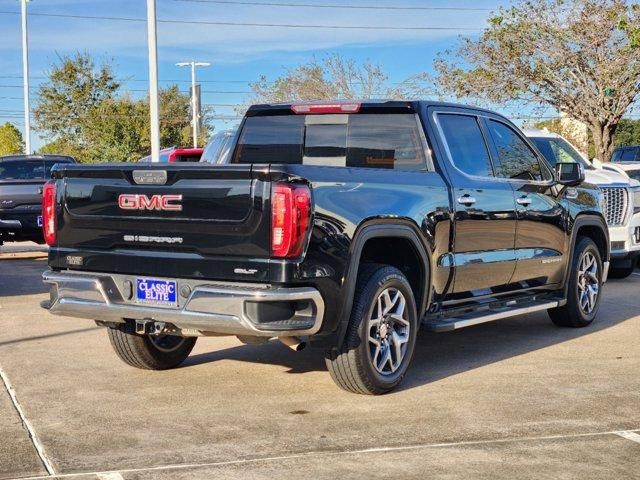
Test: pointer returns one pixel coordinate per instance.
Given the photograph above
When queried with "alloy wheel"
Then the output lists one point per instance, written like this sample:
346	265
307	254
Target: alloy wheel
588	283
388	331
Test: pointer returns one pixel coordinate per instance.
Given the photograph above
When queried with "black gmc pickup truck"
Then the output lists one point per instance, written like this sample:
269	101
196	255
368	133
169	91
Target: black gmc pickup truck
346	225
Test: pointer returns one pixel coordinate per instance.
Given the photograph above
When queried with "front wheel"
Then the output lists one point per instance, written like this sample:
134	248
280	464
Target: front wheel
381	334
150	352
584	289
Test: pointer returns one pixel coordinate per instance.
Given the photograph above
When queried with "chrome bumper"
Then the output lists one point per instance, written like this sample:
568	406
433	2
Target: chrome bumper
227	309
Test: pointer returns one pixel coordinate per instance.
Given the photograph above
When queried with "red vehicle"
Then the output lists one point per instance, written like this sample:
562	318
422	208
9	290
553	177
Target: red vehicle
177	154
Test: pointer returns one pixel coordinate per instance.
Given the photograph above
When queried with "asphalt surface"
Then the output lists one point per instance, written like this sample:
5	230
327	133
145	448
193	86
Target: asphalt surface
518	398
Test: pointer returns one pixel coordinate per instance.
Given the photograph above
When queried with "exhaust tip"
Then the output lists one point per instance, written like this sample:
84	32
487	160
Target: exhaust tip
294	343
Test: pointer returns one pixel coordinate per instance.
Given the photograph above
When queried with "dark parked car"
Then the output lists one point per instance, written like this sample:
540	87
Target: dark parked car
346	225
630	153
176	155
21	181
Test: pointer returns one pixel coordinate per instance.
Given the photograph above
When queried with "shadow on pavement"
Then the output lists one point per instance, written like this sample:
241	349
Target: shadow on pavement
51	335
439	355
22	277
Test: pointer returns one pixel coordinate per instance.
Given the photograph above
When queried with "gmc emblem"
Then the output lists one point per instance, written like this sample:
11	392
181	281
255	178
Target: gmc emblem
168	203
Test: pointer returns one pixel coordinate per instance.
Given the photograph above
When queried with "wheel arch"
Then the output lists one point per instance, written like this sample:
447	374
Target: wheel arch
365	248
594	227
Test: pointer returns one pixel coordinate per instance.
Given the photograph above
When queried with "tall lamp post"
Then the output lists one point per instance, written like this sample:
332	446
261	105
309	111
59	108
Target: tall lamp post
194	100
154	111
25	79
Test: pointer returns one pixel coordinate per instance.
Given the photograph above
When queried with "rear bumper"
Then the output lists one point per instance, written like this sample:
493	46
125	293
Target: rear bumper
214	308
23	223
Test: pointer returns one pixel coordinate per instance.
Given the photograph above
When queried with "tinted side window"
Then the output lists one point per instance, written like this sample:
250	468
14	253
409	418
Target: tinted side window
466	144
616	154
628	155
516	159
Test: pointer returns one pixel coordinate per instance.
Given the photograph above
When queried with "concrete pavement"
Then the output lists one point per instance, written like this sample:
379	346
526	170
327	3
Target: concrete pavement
518	398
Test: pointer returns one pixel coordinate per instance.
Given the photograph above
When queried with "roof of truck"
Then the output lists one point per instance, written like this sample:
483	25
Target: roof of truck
57	158
369	105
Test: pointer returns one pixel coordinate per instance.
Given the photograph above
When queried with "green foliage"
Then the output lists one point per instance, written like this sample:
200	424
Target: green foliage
81	109
628	132
10	140
563	54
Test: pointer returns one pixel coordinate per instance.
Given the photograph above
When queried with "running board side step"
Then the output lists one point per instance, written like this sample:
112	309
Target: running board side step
455	323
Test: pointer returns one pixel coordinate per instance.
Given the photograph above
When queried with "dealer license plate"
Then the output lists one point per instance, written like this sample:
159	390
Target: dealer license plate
157	292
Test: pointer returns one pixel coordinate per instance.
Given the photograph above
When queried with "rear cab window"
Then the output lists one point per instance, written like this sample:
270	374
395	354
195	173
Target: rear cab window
369	140
25	170
466	144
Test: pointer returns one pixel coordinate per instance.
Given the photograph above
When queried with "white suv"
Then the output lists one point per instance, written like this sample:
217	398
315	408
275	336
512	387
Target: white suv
623	210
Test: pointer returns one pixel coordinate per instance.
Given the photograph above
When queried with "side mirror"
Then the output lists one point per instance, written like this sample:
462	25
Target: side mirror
569	174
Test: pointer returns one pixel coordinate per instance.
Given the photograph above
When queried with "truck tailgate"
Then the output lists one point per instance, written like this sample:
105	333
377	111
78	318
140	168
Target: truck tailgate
202	215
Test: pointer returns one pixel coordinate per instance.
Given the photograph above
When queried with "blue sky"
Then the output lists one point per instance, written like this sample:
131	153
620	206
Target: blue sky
238	54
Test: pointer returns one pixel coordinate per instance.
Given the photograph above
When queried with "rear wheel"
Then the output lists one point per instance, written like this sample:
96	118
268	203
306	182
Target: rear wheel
585	287
381	334
150	352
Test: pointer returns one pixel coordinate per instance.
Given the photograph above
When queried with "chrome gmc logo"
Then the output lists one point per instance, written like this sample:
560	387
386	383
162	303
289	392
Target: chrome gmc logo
168	203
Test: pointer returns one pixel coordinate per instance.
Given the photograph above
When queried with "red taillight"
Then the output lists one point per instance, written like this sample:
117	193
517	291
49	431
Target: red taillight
290	217
318	108
49	212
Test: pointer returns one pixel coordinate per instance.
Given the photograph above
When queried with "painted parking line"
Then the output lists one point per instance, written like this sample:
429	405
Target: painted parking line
37	444
247	461
634	437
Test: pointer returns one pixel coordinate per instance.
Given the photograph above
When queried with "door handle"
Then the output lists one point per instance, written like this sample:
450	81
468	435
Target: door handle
466	200
524	200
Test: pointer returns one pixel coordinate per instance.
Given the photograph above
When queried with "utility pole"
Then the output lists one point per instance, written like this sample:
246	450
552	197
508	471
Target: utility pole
25	79
194	99
152	41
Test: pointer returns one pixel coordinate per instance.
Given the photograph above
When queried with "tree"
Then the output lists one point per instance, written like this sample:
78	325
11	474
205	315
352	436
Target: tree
628	132
74	88
333	77
10	140
82	110
581	57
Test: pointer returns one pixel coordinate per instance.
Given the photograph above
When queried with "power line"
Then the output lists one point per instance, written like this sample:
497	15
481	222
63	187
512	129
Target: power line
140	90
333	6
241	24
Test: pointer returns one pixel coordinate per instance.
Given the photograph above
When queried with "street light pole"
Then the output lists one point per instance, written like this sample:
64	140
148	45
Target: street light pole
194	100
152	41
25	79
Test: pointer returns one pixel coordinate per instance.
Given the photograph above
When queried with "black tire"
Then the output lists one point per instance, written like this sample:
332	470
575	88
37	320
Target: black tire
621	272
573	314
150	352
352	365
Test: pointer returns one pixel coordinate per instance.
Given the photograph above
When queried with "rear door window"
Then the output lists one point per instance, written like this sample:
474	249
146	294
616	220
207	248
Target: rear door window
391	141
466	144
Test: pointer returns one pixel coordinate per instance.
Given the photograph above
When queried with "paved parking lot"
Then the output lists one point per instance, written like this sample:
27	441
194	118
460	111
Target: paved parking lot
513	399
